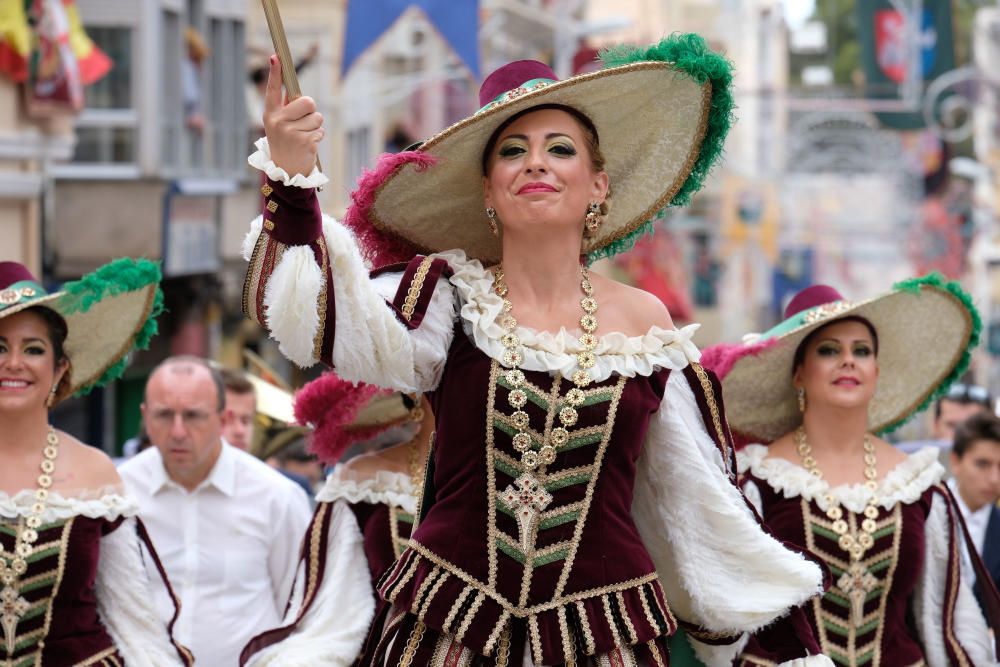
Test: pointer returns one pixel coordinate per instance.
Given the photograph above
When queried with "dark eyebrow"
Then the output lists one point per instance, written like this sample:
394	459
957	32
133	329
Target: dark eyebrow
550	135
27	340
837	341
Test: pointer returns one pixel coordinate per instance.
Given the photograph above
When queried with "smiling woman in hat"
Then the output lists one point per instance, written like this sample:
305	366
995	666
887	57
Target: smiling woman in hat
580	449
72	585
818	387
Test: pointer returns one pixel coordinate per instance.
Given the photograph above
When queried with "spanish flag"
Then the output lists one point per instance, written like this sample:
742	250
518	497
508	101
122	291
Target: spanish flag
18	39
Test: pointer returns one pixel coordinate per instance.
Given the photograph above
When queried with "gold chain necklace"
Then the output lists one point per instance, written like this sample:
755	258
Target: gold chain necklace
856	581
13	565
526	496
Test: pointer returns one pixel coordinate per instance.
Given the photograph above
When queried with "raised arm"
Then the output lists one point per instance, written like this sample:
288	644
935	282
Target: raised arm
307	282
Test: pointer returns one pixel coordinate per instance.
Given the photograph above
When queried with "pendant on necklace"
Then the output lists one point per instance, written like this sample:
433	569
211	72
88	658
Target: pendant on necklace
527	498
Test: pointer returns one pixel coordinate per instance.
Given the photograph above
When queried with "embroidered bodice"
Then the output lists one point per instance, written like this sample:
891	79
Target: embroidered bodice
793	504
50	614
577	560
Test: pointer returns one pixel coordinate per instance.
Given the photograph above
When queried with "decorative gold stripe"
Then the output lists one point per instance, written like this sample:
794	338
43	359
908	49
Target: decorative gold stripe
324	293
473	610
588	636
412	644
623	608
450	618
417	284
713	408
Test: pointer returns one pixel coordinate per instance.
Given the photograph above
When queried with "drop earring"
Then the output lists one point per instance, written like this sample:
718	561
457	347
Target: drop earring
801	394
491	215
593	220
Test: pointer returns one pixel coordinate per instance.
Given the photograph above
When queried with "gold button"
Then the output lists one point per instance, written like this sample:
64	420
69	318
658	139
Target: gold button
272	206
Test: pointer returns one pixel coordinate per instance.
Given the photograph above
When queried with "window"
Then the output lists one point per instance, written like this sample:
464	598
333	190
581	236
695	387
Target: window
108	125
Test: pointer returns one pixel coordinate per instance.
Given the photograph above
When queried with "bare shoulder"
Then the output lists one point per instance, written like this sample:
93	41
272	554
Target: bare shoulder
90	467
370	464
784	448
884	452
628	309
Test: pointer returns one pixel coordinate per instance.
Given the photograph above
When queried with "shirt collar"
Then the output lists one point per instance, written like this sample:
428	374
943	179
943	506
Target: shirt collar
222	475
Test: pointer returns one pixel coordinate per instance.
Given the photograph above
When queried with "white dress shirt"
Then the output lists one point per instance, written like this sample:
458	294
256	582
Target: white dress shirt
976	522
230	548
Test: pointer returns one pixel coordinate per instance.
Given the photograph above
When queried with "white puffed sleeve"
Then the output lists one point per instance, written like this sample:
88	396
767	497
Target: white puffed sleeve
334	627
124	601
287	289
719	569
941	595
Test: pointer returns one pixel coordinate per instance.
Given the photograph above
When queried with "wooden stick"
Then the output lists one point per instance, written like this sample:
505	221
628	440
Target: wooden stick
288	74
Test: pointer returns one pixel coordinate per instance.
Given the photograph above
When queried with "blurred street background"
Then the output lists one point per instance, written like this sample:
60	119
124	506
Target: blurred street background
867	148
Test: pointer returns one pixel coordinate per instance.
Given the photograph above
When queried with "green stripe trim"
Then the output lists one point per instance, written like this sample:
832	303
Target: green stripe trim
888	530
570	480
404	517
836	628
825	532
602	396
582	441
869	626
559	519
506	468
557	555
837	599
510	550
41	583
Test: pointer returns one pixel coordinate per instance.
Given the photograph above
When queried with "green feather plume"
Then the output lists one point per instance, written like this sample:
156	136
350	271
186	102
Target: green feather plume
689	54
914	285
116	277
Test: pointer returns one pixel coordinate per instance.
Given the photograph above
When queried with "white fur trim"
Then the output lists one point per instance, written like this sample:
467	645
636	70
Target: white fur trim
261	159
386	487
334	628
290	303
250	240
904	484
929	602
811	661
704	539
371	344
124	602
545	351
109	503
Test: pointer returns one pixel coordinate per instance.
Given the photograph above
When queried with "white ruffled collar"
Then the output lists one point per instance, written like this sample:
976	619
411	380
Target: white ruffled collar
386	487
107	503
545	351
904	484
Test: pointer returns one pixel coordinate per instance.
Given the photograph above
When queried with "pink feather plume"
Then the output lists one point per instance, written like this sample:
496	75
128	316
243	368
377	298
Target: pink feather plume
721	358
329	404
378	247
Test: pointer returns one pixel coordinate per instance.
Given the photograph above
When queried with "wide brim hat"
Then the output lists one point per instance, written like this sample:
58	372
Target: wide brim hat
108	313
926	329
661	113
342	413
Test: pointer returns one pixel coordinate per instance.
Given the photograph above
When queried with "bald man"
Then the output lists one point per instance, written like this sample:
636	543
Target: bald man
226	525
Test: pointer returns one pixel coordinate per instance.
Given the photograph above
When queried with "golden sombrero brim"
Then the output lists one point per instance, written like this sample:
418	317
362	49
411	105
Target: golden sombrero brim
651	118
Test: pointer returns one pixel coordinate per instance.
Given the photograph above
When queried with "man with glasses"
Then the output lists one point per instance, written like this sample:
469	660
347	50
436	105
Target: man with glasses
226	525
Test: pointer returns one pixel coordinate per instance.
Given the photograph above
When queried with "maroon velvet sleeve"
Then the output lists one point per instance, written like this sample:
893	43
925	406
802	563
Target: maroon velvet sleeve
291	215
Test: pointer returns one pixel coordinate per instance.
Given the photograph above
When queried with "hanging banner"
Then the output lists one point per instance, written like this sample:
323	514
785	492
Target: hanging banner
456	22
886	53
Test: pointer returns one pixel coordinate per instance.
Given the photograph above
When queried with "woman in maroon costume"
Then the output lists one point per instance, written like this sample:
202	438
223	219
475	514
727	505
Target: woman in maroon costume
72	585
364	516
831	376
580	451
